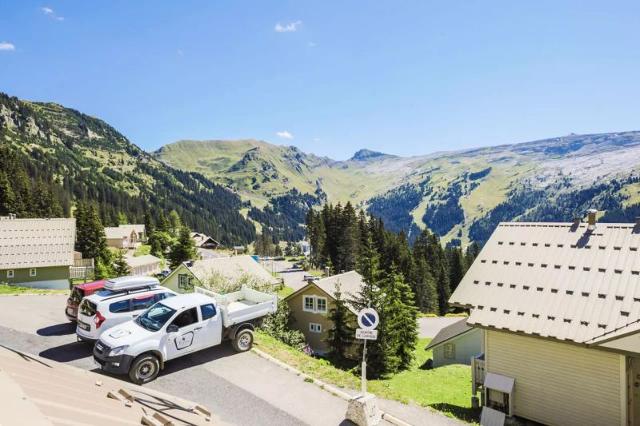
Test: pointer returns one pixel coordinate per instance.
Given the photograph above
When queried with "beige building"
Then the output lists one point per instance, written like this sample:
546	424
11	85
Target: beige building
144	265
456	343
36	252
311	305
231	269
204	241
560	306
125	236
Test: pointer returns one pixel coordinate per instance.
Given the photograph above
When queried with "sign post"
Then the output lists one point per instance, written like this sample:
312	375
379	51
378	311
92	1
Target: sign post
368	320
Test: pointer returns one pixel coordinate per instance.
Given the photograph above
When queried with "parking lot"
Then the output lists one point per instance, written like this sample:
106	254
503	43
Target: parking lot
239	388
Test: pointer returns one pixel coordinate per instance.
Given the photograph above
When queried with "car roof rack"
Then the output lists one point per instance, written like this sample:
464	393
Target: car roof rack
130	283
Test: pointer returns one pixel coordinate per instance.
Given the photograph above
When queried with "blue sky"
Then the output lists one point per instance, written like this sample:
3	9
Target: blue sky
404	77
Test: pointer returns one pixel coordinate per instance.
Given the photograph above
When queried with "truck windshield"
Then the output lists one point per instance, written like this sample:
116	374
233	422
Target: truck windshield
155	317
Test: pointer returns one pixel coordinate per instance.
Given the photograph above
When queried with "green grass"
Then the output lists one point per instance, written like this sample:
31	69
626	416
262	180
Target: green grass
11	290
142	250
285	291
447	389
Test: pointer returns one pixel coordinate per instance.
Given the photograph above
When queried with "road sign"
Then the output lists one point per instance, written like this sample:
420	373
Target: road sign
366	334
368	319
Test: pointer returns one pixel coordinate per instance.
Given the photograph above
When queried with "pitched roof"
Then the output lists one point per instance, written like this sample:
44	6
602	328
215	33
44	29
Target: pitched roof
31	243
350	284
147	259
40	391
232	268
200	239
121	231
449	332
556	280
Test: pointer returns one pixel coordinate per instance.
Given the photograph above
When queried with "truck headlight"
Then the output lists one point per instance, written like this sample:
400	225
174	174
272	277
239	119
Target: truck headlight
118	351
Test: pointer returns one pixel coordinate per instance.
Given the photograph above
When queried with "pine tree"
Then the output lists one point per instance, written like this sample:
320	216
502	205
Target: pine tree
175	223
341	335
183	250
7	196
120	266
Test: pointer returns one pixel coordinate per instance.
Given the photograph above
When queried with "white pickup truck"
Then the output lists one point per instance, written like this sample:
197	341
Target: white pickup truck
178	326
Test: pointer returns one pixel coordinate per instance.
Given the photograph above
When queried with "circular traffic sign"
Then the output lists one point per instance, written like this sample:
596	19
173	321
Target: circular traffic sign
368	319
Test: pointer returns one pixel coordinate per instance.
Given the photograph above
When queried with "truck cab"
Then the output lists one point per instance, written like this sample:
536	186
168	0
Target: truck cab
178	326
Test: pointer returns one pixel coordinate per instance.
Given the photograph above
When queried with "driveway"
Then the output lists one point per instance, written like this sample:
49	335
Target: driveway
429	327
242	389
293	278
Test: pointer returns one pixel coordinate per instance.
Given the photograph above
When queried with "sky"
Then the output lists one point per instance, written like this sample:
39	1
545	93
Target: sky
331	77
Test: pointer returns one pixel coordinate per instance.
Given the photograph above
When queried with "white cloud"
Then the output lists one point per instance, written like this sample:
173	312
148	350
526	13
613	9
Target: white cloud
290	27
51	13
6	46
312	44
284	134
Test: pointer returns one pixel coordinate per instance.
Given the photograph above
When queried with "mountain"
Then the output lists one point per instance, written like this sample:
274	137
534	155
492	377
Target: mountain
460	195
53	156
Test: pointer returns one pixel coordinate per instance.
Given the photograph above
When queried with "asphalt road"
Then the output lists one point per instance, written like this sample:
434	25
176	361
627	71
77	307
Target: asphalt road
293	278
241	389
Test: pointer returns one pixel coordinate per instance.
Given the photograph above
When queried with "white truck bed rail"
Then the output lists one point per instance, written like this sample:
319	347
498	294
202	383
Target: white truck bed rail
243	305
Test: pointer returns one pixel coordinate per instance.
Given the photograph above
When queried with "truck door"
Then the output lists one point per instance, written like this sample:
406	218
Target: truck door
188	338
211	325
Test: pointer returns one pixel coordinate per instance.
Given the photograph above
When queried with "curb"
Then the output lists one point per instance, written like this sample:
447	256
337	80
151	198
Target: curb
325	386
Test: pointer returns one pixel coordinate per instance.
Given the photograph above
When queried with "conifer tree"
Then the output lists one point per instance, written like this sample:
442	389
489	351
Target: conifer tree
120	266
341	335
184	248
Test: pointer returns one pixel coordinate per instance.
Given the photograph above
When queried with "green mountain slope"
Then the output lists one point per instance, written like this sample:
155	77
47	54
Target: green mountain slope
458	195
63	155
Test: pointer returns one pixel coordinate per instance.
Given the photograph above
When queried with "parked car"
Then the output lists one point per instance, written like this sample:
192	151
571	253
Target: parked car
179	326
78	293
121	300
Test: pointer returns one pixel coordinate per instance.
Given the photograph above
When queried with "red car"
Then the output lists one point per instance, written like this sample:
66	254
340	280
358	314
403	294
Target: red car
77	294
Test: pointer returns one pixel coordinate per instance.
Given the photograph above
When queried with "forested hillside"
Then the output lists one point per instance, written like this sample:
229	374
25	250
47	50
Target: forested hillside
459	196
53	156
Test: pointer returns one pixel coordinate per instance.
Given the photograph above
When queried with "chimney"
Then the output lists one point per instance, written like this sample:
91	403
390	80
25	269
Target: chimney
577	220
591	219
637	220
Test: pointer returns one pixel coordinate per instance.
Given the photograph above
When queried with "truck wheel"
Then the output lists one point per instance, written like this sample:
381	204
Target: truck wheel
144	369
243	341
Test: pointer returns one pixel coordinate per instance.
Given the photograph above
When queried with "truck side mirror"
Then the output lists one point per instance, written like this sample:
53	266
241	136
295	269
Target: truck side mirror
172	328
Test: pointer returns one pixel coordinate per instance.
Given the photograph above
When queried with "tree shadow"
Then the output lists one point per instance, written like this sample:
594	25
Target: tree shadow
68	352
62	329
468	414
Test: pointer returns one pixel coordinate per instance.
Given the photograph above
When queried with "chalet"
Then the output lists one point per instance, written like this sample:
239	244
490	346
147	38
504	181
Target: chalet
311	305
125	236
456	343
204	241
560	307
199	272
36	252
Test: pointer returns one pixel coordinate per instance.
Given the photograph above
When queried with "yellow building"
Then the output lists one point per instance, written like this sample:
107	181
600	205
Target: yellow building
560	306
310	307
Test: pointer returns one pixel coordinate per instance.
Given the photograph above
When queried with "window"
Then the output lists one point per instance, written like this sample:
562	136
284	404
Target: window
315	328
143	302
308	303
33	272
185	282
188	317
208	311
314	304
449	350
11	273
321	304
120	307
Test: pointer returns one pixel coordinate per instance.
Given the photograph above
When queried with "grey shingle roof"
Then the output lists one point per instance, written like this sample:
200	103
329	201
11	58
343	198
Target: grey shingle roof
31	243
556	280
350	284
449	332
